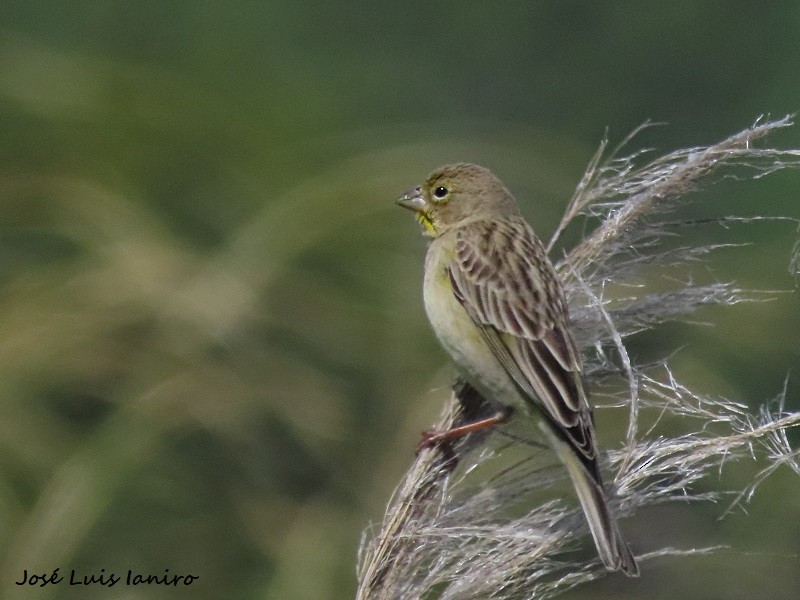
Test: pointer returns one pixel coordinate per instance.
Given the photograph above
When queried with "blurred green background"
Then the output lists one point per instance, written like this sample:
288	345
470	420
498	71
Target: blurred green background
213	353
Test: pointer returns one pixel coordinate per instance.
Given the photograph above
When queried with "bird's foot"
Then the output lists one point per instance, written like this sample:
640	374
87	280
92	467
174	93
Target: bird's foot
432	438
442	437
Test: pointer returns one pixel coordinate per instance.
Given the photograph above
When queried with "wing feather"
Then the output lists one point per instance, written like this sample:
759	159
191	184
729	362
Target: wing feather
502	276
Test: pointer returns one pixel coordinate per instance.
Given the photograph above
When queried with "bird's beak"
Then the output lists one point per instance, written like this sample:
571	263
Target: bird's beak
413	200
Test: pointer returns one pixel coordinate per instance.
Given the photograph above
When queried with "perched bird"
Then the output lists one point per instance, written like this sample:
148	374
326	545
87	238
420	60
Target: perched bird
497	306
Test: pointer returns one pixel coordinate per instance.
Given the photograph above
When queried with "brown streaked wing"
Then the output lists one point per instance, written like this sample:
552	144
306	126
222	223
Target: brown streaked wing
502	276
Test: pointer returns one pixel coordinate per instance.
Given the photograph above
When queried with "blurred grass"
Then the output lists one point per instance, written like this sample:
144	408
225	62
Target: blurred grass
213	355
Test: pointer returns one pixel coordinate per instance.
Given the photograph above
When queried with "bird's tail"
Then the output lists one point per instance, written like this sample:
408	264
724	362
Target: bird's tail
611	546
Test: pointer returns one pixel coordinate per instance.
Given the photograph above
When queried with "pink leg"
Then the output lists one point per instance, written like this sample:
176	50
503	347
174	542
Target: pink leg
434	437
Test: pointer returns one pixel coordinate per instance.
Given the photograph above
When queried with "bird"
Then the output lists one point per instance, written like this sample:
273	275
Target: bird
497	306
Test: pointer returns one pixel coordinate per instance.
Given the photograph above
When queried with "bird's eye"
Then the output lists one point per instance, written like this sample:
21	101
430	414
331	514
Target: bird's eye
440	192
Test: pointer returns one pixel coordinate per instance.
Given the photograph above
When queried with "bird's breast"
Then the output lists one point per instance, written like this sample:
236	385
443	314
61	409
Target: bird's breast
458	334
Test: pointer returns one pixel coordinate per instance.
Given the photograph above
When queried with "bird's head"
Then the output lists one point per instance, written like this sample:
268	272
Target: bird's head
455	194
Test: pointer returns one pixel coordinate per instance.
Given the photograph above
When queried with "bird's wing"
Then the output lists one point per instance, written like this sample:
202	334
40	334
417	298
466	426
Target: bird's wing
503	278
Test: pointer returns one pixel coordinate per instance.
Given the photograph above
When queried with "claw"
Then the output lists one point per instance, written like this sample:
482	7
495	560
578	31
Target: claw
431	438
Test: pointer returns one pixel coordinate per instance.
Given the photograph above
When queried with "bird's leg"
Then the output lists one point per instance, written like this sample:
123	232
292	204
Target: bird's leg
435	437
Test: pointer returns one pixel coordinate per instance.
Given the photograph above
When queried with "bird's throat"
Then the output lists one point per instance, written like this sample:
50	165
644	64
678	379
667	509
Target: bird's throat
427	223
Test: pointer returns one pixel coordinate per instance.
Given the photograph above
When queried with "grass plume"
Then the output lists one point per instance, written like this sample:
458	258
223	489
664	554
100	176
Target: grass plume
474	522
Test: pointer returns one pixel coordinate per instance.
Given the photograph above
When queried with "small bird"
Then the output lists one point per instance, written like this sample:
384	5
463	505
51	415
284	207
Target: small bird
497	306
